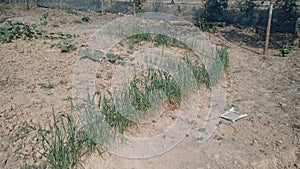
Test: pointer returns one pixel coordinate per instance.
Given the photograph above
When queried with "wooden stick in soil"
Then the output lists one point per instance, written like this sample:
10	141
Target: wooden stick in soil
134	2
102	7
268	28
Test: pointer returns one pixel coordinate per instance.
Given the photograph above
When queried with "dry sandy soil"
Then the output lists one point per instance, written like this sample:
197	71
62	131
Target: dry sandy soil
36	77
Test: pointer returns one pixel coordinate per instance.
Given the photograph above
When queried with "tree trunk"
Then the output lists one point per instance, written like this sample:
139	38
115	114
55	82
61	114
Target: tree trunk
268	28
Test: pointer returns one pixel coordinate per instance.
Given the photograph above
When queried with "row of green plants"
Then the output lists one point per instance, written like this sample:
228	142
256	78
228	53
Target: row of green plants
139	94
201	73
18	30
45	18
158	39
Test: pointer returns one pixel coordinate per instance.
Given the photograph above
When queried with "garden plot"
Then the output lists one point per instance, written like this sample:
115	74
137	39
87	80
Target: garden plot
36	83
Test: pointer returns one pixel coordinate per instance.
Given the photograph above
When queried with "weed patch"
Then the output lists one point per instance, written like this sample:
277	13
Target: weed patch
72	11
85	19
16	30
66	47
204	26
63	144
285	50
44	19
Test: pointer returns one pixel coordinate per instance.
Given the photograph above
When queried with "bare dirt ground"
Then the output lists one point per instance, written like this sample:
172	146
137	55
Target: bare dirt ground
36	77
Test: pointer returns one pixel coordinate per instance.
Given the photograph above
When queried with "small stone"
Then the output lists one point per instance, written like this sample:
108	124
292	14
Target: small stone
173	117
229	90
4	158
120	14
263	151
283	105
117	62
29	149
3	163
39	156
279	143
238	99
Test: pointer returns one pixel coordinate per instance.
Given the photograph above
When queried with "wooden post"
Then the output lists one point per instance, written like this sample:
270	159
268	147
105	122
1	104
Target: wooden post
102	7
268	28
134	2
206	10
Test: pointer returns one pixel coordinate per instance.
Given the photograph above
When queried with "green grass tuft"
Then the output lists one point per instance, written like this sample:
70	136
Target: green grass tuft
210	77
141	89
71	11
85	19
65	142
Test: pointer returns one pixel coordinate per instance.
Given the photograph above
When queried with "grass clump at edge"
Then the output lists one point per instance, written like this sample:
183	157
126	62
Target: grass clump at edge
64	143
210	77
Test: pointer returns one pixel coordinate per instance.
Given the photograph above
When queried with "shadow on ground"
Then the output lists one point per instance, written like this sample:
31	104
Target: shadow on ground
255	37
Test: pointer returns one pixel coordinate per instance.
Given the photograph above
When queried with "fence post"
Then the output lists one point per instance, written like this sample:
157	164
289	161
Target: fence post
134	1
268	28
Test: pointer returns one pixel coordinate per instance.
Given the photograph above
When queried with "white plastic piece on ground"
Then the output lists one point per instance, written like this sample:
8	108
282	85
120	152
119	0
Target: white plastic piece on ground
232	115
